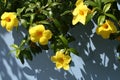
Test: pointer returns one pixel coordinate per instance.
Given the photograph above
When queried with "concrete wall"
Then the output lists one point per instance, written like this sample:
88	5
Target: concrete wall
96	61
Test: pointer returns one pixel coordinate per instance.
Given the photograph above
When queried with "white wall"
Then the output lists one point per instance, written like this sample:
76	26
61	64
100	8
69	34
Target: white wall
97	59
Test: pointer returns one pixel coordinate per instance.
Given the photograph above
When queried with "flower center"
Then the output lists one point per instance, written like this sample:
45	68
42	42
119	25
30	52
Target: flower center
61	60
81	12
8	19
39	33
105	26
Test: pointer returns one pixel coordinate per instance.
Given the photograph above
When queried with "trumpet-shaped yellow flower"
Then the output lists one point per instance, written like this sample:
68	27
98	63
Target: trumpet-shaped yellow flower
62	60
9	20
39	34
80	13
106	29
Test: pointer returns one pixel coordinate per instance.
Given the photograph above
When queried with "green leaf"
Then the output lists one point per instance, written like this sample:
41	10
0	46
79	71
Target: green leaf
35	49
57	24
20	10
22	43
108	1
44	22
70	38
49	1
91	3
89	17
27	54
14	46
111	16
106	7
114	35
101	19
24	22
74	51
64	40
98	3
66	12
21	57
53	4
32	16
17	53
45	12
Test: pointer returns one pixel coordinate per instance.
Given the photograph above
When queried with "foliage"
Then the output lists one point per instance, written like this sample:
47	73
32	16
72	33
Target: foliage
58	16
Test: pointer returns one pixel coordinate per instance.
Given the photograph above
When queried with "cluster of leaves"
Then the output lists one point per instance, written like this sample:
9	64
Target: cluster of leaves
53	14
106	9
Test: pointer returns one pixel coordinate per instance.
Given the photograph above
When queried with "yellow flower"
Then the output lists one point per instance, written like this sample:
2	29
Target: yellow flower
78	2
106	29
62	60
80	13
9	20
39	34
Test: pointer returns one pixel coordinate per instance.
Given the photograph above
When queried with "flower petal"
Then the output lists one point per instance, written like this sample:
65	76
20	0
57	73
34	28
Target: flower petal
67	59
43	41
58	65
47	34
75	19
66	67
53	59
3	23
79	2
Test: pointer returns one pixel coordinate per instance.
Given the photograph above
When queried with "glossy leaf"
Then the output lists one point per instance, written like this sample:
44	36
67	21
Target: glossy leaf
89	17
66	12
14	46
32	16
64	40
91	3
17	53
101	19
106	7
99	3
111	16
107	1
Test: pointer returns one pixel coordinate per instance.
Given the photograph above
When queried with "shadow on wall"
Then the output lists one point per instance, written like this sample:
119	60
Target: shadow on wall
9	67
96	60
41	67
97	55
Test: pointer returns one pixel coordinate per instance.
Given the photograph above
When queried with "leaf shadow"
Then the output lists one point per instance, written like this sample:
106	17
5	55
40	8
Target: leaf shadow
9	66
98	56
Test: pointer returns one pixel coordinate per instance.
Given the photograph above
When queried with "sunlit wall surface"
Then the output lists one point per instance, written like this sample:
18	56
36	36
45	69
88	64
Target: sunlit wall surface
97	58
